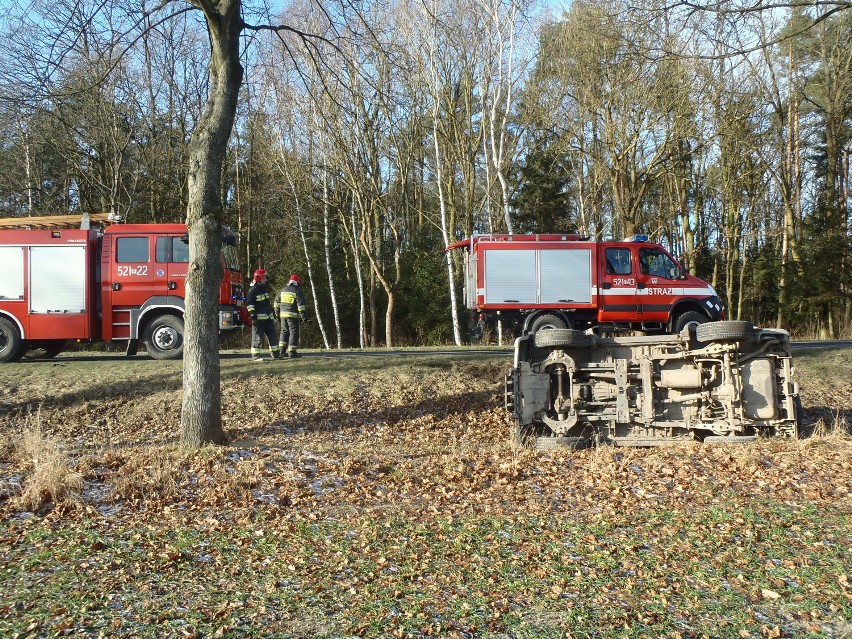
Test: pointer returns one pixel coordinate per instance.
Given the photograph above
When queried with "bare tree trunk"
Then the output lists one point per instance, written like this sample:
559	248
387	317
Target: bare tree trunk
328	268
787	184
309	266
386	284
442	204
28	166
359	275
201	414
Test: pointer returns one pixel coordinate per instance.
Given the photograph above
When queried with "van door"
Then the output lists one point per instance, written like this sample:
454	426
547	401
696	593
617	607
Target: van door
618	297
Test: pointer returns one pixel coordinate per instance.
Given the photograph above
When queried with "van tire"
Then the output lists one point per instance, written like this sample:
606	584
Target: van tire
164	337
558	337
732	330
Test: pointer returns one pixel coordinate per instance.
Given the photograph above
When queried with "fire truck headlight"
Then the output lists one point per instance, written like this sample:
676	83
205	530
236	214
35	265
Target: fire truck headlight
226	319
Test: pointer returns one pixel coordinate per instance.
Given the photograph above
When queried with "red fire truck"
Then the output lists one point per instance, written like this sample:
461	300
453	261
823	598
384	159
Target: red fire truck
98	282
568	281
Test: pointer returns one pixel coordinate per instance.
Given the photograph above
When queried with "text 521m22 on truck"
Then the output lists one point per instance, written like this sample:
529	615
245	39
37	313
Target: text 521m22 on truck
122	282
567	281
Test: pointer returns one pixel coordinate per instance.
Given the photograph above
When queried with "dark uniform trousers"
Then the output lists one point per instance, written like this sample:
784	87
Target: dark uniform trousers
290	305
259	306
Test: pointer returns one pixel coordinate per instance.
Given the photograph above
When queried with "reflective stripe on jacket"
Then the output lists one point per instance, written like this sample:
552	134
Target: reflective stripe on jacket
290	301
257	302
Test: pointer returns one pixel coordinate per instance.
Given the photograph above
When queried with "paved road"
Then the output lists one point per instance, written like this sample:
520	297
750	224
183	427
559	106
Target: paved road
807	345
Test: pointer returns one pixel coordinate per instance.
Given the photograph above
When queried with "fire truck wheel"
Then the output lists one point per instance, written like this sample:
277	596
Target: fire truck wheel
11	345
561	337
45	349
559	443
547	322
690	317
164	337
731	330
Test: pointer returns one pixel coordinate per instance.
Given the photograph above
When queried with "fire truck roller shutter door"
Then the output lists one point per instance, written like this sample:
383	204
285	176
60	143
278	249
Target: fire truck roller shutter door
510	277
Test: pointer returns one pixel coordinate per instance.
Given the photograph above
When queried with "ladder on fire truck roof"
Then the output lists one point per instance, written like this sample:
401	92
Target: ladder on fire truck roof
519	237
81	221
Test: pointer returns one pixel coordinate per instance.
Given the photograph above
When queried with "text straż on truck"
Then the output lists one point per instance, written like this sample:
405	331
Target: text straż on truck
568	281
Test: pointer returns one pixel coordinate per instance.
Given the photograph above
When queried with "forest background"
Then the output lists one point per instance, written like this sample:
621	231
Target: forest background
364	146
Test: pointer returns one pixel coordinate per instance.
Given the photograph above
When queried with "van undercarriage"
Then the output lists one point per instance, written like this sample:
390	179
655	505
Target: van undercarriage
715	382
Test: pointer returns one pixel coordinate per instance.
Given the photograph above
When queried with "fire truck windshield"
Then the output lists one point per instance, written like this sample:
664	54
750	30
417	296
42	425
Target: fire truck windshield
232	259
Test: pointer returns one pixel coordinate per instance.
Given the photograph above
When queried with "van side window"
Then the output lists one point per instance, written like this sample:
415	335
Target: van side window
131	250
618	261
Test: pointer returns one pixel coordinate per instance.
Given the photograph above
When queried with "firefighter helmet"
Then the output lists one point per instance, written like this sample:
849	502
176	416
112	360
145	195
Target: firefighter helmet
296	278
259	274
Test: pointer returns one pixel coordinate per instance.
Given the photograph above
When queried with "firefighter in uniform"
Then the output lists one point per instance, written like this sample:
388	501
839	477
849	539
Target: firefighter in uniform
290	305
259	308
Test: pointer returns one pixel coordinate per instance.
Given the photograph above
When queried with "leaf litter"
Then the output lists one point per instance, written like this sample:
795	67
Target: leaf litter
385	499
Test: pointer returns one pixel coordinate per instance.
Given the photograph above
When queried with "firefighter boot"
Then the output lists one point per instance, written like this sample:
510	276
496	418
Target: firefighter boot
293	354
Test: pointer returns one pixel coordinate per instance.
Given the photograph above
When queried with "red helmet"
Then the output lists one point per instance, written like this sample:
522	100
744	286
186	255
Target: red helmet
296	278
259	274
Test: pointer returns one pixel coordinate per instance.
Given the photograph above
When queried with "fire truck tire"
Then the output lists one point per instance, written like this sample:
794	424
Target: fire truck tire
164	337
547	322
11	344
561	337
561	443
690	317
45	349
731	330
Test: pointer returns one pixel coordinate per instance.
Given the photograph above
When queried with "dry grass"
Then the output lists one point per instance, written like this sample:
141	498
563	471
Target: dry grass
47	472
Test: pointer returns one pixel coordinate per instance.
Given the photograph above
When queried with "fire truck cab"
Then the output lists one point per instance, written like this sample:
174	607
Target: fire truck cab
124	282
567	281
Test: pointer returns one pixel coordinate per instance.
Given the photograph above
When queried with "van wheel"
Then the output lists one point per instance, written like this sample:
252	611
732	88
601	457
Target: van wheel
164	337
728	330
547	322
562	337
45	349
11	344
